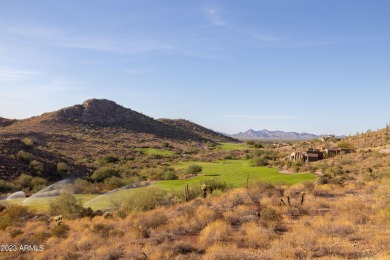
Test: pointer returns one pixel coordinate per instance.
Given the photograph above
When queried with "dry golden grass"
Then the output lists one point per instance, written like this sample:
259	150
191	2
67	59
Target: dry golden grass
334	222
216	232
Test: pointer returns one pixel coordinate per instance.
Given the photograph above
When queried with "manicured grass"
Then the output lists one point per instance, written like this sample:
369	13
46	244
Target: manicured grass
42	203
154	151
233	172
232	146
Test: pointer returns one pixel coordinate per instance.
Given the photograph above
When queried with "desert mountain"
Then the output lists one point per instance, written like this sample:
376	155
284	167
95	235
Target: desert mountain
79	135
102	113
199	130
274	135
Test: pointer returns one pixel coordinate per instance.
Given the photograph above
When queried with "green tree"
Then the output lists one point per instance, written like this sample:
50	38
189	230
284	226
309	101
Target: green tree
104	173
194	169
66	204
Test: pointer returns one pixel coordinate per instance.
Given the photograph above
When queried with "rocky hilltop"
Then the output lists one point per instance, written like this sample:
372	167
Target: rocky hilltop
76	136
98	113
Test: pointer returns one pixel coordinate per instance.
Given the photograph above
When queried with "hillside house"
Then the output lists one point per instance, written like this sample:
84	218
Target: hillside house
336	151
332	151
311	155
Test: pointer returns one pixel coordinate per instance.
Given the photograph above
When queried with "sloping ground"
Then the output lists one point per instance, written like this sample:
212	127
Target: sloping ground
16	158
370	139
100	113
80	134
191	127
6	122
333	222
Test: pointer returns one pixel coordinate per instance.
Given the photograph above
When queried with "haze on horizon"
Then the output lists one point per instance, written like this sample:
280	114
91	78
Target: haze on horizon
307	66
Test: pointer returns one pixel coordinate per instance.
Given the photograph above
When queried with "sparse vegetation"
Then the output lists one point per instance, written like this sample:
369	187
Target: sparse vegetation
339	210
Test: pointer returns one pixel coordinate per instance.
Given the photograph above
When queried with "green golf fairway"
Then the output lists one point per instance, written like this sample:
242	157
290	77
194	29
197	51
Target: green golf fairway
233	172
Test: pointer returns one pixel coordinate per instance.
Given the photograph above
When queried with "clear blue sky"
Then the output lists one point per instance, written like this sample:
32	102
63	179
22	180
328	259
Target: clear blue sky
319	66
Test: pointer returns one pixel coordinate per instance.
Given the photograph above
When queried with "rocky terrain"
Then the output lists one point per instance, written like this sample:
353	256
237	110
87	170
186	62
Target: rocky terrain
78	135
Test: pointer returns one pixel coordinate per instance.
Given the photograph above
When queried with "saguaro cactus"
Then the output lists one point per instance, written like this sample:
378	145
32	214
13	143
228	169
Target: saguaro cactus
203	187
302	197
186	193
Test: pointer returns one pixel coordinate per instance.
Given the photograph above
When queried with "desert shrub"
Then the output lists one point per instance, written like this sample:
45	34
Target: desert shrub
296	166
41	236
223	251
66	204
102	229
159	173
37	166
346	161
113	182
103	173
60	231
261	161
270	218
28	142
25	156
62	168
217	231
324	179
264	157
17	212
38	183
344	144
30	184
256	236
107	159
309	185
214	184
205	215
183	248
146	199
16	232
334	171
153	220
14	214
254	144
194	169
84	186
5	221
169	175
6	187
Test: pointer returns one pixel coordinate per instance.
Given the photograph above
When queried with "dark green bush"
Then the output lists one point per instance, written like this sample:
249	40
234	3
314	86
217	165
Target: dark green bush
107	159
6	187
113	182
194	169
62	168
146	199
103	173
66	204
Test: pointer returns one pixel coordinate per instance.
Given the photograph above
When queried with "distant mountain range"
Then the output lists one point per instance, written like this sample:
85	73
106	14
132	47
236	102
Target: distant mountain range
274	135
